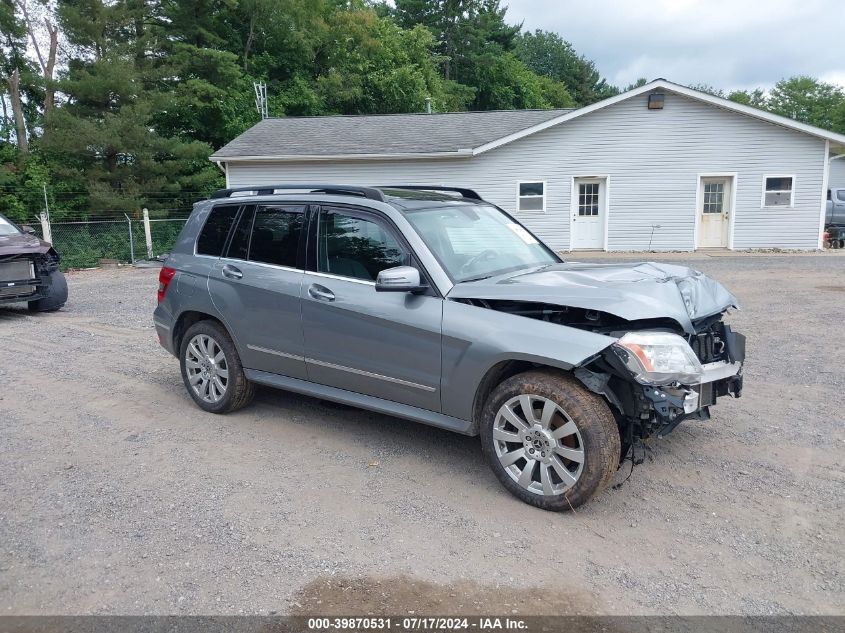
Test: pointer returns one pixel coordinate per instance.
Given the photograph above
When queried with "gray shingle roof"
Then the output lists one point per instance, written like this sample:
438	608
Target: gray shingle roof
380	134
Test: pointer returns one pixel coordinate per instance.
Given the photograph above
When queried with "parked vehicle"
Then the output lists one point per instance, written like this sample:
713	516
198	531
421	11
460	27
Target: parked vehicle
29	269
835	213
440	308
834	220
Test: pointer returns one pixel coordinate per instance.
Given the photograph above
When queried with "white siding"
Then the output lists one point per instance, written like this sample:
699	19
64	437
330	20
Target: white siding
837	173
653	159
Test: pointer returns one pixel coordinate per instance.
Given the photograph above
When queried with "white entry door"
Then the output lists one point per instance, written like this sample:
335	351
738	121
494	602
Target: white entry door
588	210
714	205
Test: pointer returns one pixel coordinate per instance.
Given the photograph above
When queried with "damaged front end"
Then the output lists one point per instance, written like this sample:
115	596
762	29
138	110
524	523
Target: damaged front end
26	277
673	354
654	388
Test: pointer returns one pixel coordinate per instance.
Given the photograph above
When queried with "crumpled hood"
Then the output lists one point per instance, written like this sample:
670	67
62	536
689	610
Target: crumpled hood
21	244
646	290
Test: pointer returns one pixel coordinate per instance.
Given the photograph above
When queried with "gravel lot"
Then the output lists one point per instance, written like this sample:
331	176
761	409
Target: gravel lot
119	496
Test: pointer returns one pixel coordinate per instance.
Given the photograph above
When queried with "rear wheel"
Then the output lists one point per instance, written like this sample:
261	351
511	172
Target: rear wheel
550	441
212	370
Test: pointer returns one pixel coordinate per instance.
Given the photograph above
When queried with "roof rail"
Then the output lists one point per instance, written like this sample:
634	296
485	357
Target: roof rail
466	193
267	190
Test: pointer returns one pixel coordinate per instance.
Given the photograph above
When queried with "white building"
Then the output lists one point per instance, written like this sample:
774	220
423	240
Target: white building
661	167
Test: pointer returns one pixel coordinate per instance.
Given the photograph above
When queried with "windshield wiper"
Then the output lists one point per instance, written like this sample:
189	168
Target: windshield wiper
463	281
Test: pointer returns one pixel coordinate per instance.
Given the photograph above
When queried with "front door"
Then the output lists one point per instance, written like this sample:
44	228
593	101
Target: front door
588	210
714	206
383	344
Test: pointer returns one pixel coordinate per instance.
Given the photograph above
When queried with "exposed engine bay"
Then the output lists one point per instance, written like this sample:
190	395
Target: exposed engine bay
27	276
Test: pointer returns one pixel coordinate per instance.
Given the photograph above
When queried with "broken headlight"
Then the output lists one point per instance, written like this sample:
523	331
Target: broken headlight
658	358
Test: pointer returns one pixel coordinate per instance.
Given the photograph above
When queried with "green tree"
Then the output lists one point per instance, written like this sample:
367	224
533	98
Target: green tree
548	54
108	136
367	64
476	48
756	98
807	100
708	89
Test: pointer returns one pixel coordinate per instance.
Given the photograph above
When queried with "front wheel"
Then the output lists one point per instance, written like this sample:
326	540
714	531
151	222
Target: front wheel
551	442
56	294
212	370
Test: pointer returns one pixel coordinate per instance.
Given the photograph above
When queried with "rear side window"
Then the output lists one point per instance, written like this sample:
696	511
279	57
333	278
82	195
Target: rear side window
239	246
275	235
213	236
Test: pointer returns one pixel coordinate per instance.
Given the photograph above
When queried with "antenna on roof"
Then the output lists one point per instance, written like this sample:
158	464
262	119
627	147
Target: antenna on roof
261	98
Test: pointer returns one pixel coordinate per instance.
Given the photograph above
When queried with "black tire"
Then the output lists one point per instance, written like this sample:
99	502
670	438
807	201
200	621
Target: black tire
599	435
56	294
239	391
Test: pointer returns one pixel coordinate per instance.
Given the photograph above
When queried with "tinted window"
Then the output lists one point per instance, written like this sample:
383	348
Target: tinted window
275	235
840	195
213	235
354	247
240	239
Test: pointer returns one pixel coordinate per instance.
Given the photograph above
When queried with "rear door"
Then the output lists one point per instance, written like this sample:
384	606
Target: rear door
256	287
383	344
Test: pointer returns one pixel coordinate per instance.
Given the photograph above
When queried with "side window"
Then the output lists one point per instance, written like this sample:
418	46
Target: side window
213	236
778	191
356	247
532	196
840	195
239	246
275	235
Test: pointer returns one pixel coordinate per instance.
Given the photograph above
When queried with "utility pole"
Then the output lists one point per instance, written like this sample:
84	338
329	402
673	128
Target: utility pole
46	205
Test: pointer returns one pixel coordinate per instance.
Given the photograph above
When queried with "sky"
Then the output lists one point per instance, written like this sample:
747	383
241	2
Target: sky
728	44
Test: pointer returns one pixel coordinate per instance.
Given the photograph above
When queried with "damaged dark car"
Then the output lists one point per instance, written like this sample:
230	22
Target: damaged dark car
438	307
29	270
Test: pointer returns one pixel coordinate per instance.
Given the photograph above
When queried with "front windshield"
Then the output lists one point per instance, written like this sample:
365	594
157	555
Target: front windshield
478	241
7	228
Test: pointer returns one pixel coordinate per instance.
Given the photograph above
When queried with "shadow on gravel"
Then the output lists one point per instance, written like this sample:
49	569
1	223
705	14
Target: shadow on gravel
384	434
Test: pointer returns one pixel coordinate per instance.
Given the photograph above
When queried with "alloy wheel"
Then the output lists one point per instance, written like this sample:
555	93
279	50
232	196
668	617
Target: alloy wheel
207	368
538	445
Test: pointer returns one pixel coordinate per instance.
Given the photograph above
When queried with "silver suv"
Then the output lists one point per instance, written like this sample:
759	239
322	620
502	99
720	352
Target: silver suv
432	305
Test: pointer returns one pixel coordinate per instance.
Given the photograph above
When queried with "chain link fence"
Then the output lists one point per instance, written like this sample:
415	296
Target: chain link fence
83	243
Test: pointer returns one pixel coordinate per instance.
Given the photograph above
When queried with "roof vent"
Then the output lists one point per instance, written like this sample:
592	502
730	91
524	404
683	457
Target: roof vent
655	101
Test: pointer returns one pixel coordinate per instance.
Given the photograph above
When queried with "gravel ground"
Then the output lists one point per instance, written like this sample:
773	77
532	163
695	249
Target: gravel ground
119	496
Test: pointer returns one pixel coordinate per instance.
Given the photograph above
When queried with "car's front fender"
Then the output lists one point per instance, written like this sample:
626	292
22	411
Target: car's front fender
475	339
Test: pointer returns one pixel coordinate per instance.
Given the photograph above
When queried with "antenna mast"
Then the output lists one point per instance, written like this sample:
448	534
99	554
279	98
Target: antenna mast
261	98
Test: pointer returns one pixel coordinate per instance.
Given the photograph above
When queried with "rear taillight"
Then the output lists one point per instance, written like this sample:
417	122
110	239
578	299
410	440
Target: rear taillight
164	279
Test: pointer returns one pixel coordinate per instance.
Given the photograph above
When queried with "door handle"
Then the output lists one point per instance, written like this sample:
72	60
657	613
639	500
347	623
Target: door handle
320	293
232	272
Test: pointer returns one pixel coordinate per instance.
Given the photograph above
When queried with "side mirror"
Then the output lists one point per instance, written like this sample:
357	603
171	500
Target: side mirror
399	279
27	229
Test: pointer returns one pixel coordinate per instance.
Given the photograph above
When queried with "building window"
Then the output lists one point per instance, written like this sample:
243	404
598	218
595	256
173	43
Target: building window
588	198
778	191
531	196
